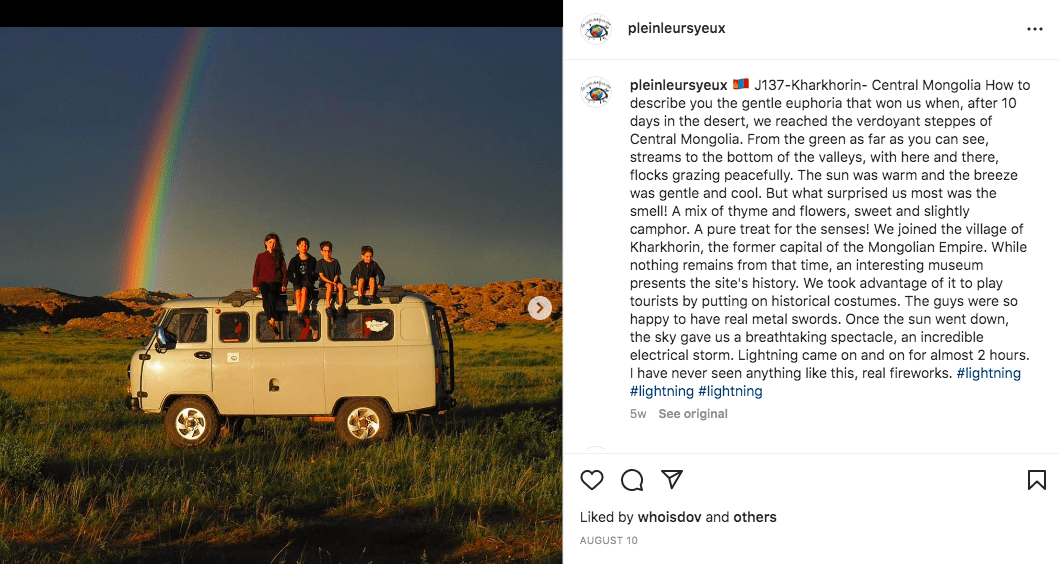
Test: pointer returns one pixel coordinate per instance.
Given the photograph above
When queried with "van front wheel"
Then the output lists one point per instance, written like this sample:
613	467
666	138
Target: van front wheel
362	421
191	422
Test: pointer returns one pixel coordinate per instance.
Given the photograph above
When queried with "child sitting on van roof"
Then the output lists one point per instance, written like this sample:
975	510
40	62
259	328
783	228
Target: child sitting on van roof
330	272
301	272
365	273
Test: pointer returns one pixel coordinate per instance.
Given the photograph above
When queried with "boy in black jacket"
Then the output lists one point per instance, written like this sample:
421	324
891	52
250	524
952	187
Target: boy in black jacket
365	273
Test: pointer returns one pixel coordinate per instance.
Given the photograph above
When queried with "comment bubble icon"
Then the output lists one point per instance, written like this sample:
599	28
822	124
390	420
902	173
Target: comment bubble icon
632	480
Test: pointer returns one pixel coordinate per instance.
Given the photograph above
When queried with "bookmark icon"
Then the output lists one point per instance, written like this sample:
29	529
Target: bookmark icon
1037	478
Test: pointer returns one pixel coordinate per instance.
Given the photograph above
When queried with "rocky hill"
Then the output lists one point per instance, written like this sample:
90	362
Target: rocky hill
483	308
129	313
132	313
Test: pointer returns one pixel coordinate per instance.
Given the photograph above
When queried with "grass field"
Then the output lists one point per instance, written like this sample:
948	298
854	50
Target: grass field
82	479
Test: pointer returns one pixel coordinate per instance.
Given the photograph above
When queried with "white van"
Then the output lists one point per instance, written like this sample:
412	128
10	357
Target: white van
212	360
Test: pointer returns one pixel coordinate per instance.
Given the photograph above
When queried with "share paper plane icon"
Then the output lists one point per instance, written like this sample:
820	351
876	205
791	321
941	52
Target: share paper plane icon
672	476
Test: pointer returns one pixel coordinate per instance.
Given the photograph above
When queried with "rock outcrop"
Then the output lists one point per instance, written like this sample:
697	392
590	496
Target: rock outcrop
141	302
483	308
129	313
19	306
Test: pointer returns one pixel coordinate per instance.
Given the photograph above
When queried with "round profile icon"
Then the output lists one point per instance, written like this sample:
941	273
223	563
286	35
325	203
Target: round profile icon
596	92
595	29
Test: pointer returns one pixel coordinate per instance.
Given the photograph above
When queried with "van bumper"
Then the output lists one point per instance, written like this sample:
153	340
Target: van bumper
132	403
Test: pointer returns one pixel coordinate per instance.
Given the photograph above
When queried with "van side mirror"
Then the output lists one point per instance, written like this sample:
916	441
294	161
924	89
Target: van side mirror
160	344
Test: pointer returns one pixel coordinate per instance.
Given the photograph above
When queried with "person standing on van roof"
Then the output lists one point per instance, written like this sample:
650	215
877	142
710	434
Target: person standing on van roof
270	276
302	275
366	273
330	272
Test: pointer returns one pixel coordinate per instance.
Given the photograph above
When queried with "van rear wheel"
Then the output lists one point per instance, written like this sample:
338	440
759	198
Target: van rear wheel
362	421
191	422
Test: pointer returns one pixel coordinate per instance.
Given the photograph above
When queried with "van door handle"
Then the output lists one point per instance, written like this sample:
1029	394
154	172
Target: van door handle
202	354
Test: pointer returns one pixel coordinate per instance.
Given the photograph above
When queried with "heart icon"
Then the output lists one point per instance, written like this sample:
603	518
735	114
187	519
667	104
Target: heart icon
592	478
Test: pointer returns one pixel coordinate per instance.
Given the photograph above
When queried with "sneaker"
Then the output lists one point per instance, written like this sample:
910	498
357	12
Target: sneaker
364	300
376	300
343	311
331	311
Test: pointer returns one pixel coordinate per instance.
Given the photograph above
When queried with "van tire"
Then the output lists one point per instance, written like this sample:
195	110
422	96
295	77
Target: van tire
191	422
362	421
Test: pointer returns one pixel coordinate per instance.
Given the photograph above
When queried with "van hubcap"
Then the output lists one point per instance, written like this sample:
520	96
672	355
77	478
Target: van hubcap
363	423
190	423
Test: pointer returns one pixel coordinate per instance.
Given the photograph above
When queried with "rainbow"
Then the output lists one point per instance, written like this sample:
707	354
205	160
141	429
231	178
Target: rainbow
144	227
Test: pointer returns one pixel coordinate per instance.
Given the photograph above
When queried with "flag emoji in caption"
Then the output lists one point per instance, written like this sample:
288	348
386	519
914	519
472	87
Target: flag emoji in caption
738	83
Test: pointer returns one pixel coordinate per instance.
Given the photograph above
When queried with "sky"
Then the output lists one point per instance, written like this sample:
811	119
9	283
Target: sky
440	148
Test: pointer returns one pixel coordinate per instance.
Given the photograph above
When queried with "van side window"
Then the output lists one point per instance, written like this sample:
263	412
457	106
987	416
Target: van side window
299	330
291	328
234	327
187	326
363	325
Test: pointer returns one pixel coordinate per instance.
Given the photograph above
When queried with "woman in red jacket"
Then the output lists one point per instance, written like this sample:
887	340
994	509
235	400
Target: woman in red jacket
270	276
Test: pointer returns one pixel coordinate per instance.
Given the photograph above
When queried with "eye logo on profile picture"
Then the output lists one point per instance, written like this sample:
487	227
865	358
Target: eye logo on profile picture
595	28
596	92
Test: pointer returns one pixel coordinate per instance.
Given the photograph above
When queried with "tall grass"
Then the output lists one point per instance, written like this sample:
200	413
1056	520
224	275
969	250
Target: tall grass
101	484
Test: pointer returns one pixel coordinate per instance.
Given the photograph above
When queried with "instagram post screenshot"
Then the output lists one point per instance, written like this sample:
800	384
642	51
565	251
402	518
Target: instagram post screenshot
281	295
809	260
758	282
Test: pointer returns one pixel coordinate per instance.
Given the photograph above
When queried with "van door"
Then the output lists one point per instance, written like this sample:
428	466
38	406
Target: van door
233	362
417	360
361	357
288	367
186	365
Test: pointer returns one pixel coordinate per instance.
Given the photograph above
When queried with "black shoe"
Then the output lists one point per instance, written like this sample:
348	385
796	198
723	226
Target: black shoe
364	300
331	311
343	311
376	300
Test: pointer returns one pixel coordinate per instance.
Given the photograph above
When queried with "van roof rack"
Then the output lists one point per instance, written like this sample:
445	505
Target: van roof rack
239	297
394	293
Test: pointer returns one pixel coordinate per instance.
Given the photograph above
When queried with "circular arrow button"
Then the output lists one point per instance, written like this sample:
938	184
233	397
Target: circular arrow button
540	308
